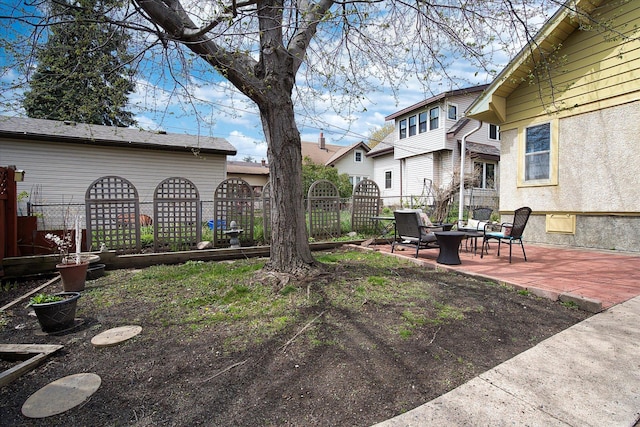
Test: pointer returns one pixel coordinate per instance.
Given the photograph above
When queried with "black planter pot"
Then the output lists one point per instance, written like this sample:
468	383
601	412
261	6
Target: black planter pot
59	315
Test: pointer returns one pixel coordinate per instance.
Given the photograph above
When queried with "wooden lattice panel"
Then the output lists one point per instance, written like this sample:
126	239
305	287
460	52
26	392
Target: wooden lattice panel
233	201
113	215
324	210
366	205
176	208
266	212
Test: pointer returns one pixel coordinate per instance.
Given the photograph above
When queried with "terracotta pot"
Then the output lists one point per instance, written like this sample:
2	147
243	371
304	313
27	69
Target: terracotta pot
73	276
59	315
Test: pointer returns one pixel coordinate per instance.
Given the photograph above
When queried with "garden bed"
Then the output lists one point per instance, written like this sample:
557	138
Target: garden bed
376	337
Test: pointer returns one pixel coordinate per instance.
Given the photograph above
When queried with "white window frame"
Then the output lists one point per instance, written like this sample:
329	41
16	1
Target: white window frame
423	115
455	117
413	129
437	118
402	126
358	156
497	132
388	181
482	165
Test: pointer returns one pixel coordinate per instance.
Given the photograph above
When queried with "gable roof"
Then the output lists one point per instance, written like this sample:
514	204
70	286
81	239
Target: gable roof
82	133
346	150
318	154
436	98
491	105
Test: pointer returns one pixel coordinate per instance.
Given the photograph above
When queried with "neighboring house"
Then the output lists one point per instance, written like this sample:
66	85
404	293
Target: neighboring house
423	153
256	174
386	171
350	159
62	159
568	106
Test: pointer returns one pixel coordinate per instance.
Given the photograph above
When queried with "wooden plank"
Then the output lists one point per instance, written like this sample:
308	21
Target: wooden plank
41	351
27	295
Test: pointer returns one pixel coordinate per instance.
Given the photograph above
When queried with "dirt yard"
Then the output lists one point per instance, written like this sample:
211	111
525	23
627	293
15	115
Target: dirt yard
334	366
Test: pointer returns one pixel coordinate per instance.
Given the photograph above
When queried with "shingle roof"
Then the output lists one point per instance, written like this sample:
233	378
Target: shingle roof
345	150
436	98
319	155
249	168
80	133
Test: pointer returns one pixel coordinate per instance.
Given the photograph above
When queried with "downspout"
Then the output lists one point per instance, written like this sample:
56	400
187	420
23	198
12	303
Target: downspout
463	154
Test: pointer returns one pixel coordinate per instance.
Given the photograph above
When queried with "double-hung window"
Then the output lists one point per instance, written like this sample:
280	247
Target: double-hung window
422	119
357	156
412	125
537	158
434	118
388	182
402	126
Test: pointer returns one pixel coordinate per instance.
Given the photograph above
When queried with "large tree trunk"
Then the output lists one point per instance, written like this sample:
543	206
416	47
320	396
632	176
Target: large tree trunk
290	251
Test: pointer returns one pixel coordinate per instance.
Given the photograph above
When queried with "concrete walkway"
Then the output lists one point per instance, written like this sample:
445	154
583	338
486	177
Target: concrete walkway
587	375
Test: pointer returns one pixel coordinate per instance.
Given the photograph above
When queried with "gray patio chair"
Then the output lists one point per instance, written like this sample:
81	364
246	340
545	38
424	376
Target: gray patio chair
509	233
409	231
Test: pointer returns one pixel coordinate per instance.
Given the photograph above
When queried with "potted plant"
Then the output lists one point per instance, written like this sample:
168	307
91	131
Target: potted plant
55	312
72	267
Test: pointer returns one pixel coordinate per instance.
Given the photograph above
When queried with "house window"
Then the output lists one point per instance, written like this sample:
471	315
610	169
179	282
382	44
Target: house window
434	118
412	125
537	152
494	132
355	179
357	156
388	180
485	175
452	112
403	128
422	119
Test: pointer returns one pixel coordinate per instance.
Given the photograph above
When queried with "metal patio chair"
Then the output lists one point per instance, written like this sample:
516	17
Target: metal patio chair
409	231
509	233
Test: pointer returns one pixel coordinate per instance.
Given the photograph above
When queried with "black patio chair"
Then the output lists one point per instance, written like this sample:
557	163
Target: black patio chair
482	214
409	231
509	233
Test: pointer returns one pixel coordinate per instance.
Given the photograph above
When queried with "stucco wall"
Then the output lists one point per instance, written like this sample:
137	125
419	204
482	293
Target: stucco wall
598	168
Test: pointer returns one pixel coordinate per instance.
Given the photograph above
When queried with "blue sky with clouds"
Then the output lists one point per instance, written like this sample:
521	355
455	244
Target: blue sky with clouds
215	108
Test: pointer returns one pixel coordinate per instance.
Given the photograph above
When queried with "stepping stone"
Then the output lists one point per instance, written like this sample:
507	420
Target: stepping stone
115	336
61	395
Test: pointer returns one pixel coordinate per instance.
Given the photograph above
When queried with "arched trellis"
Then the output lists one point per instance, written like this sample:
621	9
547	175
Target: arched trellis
233	200
323	206
113	215
266	212
366	205
177	213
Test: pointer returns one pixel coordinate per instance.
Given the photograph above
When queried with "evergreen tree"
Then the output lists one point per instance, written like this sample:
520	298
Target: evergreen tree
82	72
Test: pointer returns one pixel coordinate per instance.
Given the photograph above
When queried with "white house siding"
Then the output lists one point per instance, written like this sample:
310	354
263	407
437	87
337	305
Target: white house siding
596	181
348	165
391	196
62	172
416	170
421	143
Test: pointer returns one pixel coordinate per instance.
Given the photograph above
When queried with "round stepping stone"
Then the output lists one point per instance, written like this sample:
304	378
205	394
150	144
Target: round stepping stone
115	336
61	395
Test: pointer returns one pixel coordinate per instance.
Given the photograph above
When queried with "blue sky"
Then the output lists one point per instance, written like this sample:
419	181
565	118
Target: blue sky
215	108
